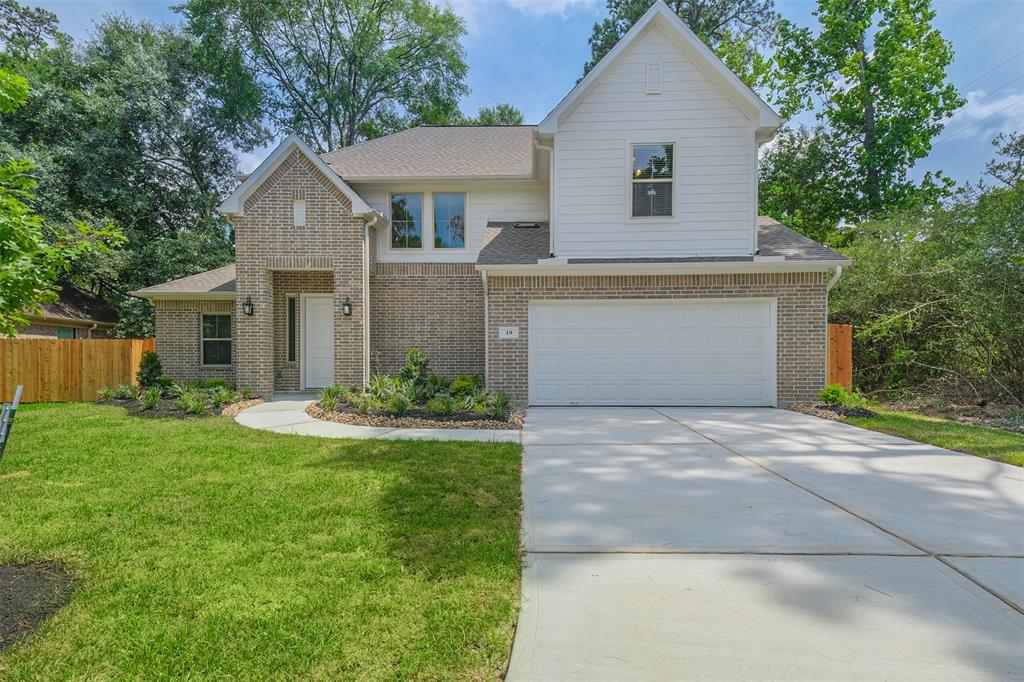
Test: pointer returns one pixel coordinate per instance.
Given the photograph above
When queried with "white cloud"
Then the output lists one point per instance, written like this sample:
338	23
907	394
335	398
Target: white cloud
983	117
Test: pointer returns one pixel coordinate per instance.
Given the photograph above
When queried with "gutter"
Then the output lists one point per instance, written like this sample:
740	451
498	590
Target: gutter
564	268
835	278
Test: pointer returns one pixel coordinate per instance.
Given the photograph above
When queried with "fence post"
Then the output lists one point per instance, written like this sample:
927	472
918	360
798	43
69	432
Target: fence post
840	355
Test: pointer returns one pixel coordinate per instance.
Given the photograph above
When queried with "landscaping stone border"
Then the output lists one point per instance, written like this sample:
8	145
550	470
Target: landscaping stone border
515	420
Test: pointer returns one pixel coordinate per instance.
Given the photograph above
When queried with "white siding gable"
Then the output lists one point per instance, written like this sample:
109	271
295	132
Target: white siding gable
715	160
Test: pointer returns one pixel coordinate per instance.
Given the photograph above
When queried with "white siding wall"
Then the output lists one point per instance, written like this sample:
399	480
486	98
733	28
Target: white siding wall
492	200
715	160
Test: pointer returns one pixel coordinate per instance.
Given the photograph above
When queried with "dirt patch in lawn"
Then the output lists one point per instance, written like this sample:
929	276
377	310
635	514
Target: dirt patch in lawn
167	408
834	412
415	419
29	594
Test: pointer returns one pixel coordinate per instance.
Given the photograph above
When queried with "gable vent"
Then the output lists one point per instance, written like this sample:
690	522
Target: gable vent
652	78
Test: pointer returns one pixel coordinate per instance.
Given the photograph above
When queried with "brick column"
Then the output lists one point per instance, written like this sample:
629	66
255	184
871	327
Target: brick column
254	341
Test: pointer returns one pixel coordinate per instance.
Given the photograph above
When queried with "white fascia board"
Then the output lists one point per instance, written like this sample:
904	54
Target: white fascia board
184	296
766	117
708	268
235	203
360	179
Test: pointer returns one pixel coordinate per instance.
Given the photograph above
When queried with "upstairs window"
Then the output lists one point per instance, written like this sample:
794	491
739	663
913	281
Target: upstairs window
299	208
652	180
449	221
216	339
406	221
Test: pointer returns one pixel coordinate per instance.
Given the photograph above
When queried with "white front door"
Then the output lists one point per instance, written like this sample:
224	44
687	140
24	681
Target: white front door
647	352
317	341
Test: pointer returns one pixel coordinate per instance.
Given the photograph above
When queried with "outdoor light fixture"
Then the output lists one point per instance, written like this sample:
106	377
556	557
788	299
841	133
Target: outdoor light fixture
346	307
247	306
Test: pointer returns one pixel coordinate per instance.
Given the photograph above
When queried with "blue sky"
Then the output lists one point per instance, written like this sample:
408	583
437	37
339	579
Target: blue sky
530	53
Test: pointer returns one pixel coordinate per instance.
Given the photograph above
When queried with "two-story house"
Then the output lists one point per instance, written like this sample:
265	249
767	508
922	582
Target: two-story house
611	255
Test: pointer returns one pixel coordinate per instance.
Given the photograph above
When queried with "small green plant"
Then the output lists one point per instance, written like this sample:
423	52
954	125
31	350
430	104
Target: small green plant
107	393
127	392
332	396
149	369
836	395
214	382
177	390
437	384
192	402
246	394
397	404
363	403
222	396
150	398
383	386
442	404
481	408
415	369
465	385
500	406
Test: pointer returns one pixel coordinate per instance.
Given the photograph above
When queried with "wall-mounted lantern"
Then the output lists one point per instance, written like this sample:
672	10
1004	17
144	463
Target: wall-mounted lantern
247	307
346	307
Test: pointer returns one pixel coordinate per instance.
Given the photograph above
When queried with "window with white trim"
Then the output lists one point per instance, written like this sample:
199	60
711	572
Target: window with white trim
652	180
449	220
406	221
216	339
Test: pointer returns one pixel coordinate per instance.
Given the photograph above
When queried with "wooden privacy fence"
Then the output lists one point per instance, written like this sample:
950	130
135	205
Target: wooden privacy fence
55	370
840	355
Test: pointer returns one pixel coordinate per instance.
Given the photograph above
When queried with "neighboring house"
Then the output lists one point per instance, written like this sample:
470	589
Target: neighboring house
77	314
610	255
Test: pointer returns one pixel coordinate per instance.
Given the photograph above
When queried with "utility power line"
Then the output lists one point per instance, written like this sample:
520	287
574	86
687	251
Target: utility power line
982	120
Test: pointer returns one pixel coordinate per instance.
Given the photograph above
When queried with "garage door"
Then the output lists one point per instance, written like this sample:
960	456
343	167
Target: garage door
719	352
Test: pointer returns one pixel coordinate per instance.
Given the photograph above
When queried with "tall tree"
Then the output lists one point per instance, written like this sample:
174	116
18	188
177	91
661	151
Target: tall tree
1009	169
126	128
337	71
502	114
876	72
31	260
732	28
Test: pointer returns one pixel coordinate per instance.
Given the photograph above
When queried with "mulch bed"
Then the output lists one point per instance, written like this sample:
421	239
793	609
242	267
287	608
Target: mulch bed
167	408
415	419
29	594
833	412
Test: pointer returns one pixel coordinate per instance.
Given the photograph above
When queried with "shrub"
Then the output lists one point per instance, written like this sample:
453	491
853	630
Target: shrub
246	394
177	390
415	369
127	392
464	385
150	369
107	393
837	396
150	398
383	386
500	406
213	382
363	402
437	384
441	403
164	383
482	408
192	402
222	396
332	396
397	404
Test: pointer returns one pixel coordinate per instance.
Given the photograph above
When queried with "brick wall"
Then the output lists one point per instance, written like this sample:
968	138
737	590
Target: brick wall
48	330
267	241
178	340
437	307
287	375
801	318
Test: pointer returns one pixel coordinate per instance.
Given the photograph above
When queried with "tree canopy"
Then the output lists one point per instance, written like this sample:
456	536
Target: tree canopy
502	114
335	71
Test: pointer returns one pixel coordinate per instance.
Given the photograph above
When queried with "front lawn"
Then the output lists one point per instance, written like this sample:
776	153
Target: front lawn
204	549
997	444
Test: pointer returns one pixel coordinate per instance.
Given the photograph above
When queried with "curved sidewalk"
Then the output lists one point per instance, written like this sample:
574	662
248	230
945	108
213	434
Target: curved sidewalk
288	415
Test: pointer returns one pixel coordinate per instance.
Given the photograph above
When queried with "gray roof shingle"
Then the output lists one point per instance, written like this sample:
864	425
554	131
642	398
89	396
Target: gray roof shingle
439	151
220	280
75	303
508	245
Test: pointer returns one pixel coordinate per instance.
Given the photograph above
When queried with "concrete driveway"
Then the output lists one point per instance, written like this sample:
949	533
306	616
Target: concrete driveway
761	544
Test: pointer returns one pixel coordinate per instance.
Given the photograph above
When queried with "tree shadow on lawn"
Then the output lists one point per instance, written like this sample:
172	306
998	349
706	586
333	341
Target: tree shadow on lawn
448	509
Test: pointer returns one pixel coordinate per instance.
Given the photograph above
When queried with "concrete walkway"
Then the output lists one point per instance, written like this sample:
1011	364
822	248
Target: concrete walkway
287	414
760	544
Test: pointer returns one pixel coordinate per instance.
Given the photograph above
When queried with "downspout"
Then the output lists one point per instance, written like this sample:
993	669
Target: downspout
92	329
551	194
487	332
366	297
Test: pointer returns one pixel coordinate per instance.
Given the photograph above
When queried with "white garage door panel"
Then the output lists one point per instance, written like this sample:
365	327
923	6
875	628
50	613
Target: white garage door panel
718	352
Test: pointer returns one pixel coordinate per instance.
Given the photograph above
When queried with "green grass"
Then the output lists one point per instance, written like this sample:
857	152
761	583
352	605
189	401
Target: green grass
997	444
205	549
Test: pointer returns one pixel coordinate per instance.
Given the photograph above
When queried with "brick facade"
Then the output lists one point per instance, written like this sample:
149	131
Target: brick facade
268	243
802	318
437	307
39	329
179	340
